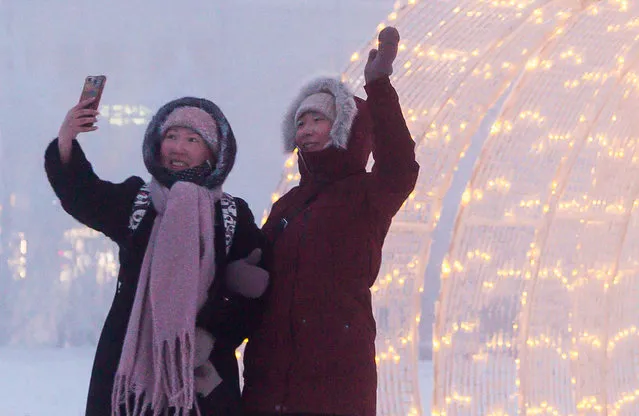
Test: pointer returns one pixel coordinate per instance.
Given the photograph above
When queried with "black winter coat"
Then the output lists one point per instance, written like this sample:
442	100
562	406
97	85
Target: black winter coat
107	207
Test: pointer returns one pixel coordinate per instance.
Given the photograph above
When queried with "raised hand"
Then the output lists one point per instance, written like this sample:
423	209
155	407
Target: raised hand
78	120
380	61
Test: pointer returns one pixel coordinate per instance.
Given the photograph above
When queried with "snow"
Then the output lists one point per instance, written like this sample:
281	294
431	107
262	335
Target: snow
426	385
54	381
44	382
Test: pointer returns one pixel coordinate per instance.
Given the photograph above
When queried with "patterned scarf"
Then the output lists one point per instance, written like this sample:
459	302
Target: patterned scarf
156	369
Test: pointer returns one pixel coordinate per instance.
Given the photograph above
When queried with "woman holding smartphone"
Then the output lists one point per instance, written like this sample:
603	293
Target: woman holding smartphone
189	282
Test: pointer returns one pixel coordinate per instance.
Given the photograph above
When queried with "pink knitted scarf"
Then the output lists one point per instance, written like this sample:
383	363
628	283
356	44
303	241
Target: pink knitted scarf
156	369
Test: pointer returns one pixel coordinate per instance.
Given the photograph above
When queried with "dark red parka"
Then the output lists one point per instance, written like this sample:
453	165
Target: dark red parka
315	350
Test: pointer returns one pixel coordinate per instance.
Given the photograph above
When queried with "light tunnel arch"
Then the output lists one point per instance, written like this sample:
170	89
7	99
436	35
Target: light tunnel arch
584	170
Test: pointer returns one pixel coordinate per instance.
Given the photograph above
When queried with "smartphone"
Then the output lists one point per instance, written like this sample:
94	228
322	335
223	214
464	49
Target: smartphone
93	87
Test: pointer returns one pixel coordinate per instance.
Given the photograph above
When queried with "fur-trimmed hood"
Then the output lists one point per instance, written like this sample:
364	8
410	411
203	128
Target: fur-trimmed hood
351	135
225	156
344	105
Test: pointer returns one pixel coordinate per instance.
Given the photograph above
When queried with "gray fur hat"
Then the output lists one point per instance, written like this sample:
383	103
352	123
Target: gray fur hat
224	153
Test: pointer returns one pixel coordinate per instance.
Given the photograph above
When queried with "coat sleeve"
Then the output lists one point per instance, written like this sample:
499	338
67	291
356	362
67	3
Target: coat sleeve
394	173
98	204
226	314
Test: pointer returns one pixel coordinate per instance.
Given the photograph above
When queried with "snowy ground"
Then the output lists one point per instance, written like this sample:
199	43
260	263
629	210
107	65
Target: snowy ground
53	382
44	382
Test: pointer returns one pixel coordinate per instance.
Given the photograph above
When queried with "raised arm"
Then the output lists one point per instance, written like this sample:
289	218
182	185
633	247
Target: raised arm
395	170
98	204
79	119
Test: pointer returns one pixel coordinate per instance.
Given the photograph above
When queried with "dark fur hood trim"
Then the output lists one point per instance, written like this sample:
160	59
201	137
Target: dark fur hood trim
228	146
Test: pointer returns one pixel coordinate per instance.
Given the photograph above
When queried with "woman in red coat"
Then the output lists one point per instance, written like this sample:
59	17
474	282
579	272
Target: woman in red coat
315	350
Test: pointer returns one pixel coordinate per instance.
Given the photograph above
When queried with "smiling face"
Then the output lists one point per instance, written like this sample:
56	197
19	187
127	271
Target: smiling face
182	148
313	132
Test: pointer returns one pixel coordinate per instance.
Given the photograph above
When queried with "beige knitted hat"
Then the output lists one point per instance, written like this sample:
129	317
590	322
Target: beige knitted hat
321	102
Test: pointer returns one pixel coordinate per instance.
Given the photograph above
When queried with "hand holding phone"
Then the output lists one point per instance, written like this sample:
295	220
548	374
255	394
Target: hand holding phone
82	116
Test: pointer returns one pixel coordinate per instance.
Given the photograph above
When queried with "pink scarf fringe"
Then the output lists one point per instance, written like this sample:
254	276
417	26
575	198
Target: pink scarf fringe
156	369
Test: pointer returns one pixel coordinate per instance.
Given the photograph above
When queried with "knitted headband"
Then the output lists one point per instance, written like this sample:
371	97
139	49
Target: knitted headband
321	102
195	119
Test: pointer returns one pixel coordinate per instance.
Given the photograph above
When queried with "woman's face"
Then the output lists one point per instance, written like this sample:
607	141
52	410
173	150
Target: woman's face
182	148
313	132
